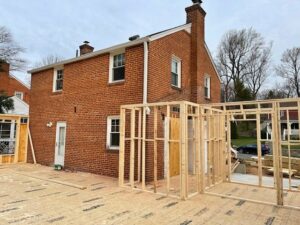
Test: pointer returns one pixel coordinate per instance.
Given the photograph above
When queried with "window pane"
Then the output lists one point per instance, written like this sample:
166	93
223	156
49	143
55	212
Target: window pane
174	79
59	85
174	66
115	139
119	60
205	91
117	128
119	73
60	74
122	59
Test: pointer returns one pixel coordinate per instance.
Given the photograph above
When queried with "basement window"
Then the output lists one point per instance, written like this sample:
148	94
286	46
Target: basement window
207	87
58	80
117	67
113	132
176	72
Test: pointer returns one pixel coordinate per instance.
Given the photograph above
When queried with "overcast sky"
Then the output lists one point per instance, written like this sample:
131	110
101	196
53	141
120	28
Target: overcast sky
58	27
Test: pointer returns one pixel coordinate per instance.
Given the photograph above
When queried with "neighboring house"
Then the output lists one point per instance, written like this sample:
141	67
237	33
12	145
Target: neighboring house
20	94
289	125
20	107
12	85
75	104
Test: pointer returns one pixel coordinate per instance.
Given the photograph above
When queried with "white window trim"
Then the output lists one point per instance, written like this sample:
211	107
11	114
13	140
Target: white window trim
209	86
179	61
111	64
19	92
109	119
54	79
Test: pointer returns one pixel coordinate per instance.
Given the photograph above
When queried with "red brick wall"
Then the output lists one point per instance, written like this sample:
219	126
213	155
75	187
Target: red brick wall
86	88
9	84
160	56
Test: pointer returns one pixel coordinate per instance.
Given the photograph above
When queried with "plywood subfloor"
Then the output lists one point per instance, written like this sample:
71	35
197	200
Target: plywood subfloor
255	193
28	200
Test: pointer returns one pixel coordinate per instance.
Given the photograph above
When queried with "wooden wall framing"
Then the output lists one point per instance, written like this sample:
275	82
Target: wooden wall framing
211	142
190	116
279	113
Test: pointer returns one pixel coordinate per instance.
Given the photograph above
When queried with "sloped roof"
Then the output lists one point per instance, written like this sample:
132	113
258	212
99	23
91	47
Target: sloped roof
147	38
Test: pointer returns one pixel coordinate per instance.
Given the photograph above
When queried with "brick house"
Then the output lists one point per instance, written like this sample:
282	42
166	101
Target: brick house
75	103
11	85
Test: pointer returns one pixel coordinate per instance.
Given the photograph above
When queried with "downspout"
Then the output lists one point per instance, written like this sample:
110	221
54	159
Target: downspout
145	85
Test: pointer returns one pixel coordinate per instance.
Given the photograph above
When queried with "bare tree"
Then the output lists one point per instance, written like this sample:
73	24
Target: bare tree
278	91
10	51
257	69
243	56
50	59
289	68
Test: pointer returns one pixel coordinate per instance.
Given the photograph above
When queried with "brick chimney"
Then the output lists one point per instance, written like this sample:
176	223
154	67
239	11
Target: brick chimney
4	67
85	48
196	16
4	76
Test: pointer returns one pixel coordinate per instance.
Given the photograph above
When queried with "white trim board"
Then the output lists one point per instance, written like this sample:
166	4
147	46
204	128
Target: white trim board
186	27
212	61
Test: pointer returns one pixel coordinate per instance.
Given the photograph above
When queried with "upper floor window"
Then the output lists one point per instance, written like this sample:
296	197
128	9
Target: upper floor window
207	87
19	95
176	72
117	67
58	80
113	132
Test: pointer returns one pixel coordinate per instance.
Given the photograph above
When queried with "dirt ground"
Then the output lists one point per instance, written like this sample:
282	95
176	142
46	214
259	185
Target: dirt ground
35	195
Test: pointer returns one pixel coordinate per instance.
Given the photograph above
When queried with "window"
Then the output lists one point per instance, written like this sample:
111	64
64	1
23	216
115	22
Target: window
207	87
58	80
19	95
117	67
113	132
176	109
5	129
24	120
176	72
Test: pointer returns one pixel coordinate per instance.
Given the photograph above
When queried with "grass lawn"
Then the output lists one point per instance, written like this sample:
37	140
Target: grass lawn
243	141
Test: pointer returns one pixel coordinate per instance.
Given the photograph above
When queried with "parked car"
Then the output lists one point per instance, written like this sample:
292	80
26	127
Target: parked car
252	149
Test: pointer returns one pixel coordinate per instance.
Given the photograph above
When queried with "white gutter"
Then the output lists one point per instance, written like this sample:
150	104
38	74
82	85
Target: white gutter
145	85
